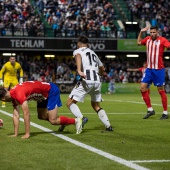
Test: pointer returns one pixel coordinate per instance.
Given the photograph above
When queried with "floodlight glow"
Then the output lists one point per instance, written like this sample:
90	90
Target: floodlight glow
8	54
47	56
132	55
110	56
166	57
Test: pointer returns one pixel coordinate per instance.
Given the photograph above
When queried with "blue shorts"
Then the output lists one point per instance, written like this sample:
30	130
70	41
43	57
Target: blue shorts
154	76
53	99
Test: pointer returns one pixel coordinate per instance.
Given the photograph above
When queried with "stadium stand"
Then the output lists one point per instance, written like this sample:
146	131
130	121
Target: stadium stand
154	12
70	18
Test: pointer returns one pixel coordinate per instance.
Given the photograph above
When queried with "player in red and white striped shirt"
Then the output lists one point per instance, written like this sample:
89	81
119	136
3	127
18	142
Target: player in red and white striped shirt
155	72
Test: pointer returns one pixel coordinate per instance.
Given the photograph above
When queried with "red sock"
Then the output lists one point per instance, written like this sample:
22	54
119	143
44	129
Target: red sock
164	99
66	120
149	91
146	98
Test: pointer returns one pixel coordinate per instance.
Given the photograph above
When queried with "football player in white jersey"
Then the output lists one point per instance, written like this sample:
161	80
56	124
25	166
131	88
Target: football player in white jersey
89	67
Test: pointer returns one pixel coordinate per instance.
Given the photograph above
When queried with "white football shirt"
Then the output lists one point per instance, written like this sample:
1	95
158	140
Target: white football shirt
90	63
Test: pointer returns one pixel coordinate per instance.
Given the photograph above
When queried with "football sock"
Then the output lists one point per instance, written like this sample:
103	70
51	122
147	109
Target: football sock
75	110
66	120
103	117
150	109
165	112
149	91
146	98
164	99
3	103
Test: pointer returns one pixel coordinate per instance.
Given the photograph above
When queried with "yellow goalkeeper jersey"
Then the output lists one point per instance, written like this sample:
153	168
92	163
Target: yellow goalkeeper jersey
10	71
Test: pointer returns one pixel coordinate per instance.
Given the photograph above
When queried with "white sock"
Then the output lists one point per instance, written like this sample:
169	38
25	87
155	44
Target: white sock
165	112
150	109
75	110
103	117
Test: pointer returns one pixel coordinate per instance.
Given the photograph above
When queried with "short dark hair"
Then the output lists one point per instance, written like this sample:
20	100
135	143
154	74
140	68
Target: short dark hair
83	39
153	27
2	92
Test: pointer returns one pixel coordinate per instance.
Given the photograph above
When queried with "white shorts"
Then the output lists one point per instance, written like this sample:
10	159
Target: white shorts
93	88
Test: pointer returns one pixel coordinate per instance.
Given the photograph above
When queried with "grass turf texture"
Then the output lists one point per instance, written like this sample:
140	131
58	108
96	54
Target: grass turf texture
133	139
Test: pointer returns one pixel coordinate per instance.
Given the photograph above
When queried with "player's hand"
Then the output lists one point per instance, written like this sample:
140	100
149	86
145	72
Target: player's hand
1	82
82	75
21	80
144	29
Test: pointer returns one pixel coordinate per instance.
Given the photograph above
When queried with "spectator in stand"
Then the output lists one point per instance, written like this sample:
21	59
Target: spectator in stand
151	10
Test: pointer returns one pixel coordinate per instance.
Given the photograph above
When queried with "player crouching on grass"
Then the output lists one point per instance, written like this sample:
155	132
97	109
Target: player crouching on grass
48	100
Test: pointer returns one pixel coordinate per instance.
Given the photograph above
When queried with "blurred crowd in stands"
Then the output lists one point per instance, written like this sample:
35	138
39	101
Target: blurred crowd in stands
17	16
155	11
74	17
63	70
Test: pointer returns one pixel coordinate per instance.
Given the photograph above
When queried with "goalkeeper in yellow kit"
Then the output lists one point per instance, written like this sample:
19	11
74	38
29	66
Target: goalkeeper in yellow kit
9	74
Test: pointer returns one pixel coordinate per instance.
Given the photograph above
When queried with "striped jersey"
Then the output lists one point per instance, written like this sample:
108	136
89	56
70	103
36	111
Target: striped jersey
155	50
90	63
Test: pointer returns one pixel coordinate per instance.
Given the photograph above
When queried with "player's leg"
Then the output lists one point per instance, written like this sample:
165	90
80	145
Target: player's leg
95	103
6	86
102	115
164	102
146	79
54	102
42	110
159	81
77	95
54	119
147	100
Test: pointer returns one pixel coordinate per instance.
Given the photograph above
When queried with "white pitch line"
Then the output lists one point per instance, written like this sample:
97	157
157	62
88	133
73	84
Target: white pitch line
82	145
123	101
129	101
138	161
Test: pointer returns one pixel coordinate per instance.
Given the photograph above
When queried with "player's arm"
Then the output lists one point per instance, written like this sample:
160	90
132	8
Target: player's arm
16	120
167	44
1	75
79	65
26	113
101	67
132	69
101	70
140	35
21	75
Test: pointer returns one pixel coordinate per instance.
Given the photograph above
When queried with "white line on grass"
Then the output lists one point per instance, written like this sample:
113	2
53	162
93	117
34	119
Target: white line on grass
82	145
138	161
123	101
128	101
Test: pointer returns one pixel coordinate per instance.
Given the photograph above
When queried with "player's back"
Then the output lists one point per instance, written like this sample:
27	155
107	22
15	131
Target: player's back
30	90
90	63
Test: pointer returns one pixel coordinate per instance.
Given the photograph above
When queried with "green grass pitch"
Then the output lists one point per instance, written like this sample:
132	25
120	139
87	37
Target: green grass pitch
144	143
